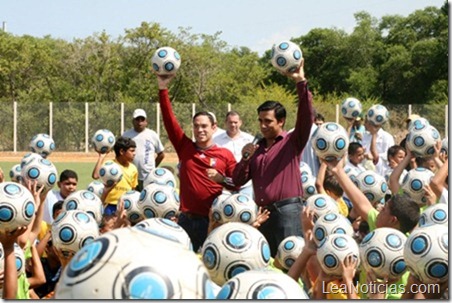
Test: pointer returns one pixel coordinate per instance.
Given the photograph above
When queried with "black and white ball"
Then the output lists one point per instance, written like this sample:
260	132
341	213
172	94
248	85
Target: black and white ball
351	108
377	114
435	214
426	253
262	284
17	206
286	56
110	173
418	123
29	158
233	248
381	252
41	170
422	141
308	184
72	230
131	263
288	251
16	173
42	144
330	141
235	208
160	175
166	229
414	184
133	211
331	223
166	61
333	250
96	187
321	204
373	185
159	201
87	201
103	141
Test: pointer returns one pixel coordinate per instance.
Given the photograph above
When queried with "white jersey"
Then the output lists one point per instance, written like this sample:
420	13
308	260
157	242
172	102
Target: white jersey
148	145
52	197
384	141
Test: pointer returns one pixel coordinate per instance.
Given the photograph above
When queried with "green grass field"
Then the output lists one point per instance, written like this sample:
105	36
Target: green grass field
83	170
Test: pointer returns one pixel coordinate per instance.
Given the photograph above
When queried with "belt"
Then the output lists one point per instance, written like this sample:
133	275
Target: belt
194	216
281	203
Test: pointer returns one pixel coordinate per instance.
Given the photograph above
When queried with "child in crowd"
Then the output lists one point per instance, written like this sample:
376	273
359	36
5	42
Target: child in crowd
327	184
355	156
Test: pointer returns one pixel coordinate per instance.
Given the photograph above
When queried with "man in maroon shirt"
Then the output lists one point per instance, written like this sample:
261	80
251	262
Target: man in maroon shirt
205	168
273	164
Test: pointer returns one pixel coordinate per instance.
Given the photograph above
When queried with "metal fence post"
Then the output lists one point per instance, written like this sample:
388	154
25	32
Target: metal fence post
86	126
122	118
51	119
15	126
157	118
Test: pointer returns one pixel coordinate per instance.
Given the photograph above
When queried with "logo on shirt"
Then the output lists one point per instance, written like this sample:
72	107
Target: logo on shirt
213	162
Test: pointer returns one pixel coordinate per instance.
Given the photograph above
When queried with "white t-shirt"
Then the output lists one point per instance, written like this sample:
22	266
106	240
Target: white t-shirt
384	141
148	144
444	196
53	197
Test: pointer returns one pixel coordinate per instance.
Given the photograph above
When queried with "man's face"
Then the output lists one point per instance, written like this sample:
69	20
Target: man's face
139	124
67	186
233	124
269	126
203	129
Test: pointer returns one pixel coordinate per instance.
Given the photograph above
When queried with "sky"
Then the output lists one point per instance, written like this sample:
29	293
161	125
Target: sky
256	24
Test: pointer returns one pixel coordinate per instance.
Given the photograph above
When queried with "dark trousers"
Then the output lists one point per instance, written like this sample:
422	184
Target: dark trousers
196	228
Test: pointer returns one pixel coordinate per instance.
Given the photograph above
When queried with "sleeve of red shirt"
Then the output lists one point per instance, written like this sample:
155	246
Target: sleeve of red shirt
175	132
300	134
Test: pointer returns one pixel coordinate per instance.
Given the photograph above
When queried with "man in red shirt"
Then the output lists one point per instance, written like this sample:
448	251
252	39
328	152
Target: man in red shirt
273	164
205	168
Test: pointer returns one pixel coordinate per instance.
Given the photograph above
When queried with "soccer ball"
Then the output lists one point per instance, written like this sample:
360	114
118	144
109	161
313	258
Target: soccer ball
167	229
305	169
330	141
426	253
110	173
264	284
445	146
414	184
334	249
166	61
352	172
373	185
381	252
130	263
422	141
15	173
351	108
435	214
159	201
308	183
96	187
377	114
17	206
329	224
235	208
161	176
20	259
131	207
42	144
103	141
72	230
418	123
43	171
321	204
233	248
28	158
87	201
288	251
286	56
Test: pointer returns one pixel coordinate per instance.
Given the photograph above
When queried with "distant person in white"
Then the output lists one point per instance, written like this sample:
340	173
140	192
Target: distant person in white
234	140
149	151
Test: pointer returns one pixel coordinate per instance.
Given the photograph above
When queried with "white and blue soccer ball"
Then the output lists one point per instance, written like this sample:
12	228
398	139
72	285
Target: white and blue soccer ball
159	201
308	184
87	201
96	187
166	229
445	146
72	230
41	170
262	284
15	173
20	259
305	169
166	61
330	141
418	123
235	208
288	251
233	248
373	185
160	175
17	206
286	56
110	173
381	252
435	214
29	158
426	253
42	144
414	183
377	114
333	250
321	204
351	108
352	172
422	141
103	141
133	211
331	223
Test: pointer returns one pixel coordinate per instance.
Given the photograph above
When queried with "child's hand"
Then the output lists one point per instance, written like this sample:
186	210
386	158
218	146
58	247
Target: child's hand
262	215
348	266
8	238
307	219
